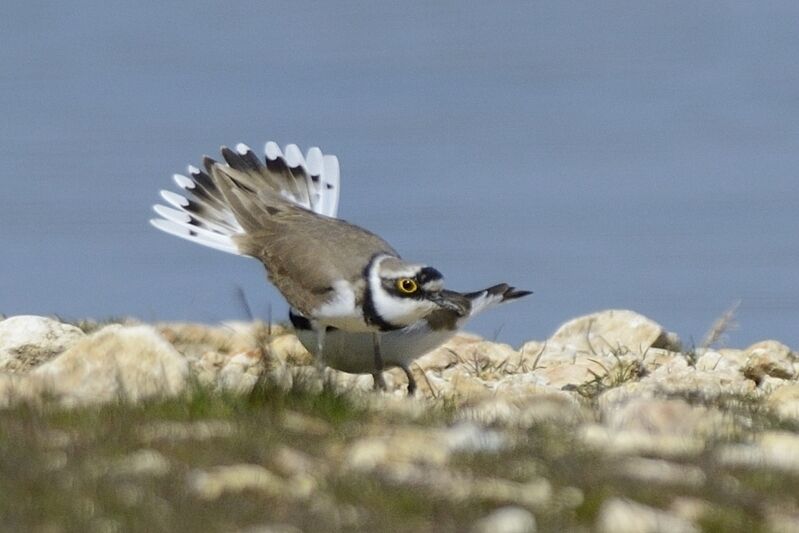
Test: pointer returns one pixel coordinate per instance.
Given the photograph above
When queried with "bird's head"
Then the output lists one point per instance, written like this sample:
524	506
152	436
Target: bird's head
401	293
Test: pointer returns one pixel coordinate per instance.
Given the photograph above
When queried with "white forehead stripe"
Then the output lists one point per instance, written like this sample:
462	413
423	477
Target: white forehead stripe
433	285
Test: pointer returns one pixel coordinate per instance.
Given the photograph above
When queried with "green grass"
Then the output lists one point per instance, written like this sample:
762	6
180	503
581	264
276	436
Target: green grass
76	469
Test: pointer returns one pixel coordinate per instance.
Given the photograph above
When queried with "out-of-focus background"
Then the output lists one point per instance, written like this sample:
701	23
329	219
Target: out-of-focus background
622	155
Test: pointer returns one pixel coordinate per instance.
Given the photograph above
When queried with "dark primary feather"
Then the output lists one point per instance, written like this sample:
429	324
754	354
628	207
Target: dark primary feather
502	289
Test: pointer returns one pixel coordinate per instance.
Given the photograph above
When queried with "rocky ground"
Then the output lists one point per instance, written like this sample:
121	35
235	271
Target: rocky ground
609	425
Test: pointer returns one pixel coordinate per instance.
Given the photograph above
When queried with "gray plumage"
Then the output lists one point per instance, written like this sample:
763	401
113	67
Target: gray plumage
304	253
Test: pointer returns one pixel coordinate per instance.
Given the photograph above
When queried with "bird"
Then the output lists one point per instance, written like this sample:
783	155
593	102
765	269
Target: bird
355	304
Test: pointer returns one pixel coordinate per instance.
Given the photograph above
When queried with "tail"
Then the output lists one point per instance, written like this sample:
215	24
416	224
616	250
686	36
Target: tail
205	216
493	296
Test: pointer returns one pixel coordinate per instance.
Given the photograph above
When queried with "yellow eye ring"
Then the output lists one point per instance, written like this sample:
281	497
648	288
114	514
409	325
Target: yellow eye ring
407	286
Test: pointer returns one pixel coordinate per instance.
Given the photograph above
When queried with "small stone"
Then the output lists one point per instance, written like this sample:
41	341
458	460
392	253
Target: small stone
773	348
677	378
421	447
510	519
611	331
785	401
530	354
690	508
288	349
525	410
769	358
521	384
488	359
619	515
778	450
401	446
144	462
271	528
128	363
29	341
439	359
536	493
292	462
725	360
213	483
664	417
571	376
194	340
638	442
471	438
206	367
241	372
780	520
661	472
463	383
15	388
181	431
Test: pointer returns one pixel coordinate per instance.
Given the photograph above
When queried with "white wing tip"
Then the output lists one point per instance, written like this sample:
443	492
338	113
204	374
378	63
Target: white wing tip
196	235
242	149
174	199
182	181
331	165
293	155
272	150
176	215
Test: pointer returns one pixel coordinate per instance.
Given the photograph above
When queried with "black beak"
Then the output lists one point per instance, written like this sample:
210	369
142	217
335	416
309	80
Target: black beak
451	301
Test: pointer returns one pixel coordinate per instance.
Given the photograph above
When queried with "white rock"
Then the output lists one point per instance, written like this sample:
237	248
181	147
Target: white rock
234	479
471	438
619	515
612	331
639	442
774	349
128	363
508	519
530	354
723	360
664	417
182	431
769	358
565	375
241	372
288	349
145	462
207	366
778	450
488	357
402	446
28	341
525	410
677	378
271	528
785	401
660	472
16	388
782	520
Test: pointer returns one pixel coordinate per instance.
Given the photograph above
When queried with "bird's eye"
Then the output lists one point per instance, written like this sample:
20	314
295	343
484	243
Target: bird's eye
407	286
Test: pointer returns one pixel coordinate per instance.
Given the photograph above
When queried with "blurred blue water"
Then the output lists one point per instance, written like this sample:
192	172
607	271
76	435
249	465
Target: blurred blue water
633	155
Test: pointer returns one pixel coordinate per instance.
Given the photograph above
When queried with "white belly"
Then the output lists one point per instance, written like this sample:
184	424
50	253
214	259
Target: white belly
354	351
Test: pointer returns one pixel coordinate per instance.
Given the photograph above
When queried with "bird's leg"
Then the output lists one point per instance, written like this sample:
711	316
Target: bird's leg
377	373
319	362
411	380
